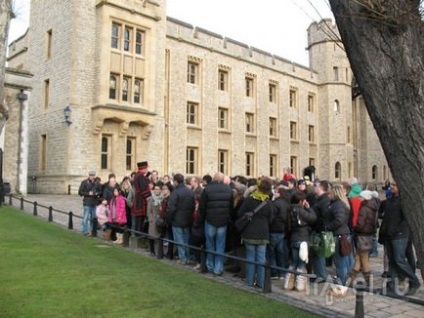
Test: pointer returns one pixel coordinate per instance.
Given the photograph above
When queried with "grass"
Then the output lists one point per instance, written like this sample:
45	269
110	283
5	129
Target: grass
46	271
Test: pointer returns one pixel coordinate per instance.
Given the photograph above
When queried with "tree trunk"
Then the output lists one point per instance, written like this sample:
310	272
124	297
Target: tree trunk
384	44
5	15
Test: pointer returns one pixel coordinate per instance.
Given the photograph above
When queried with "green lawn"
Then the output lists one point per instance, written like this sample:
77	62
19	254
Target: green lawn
46	271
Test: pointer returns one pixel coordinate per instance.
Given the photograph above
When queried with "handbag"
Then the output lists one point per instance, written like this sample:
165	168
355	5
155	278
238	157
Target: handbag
242	222
323	243
345	245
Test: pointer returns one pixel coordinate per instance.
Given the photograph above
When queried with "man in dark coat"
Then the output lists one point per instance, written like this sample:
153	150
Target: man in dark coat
90	190
215	207
180	211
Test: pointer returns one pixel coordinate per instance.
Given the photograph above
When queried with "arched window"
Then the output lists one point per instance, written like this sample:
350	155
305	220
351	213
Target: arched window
338	171
337	106
125	89
384	173
137	89
112	87
374	172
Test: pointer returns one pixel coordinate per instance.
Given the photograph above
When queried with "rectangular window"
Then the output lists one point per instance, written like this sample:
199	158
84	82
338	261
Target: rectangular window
43	152
115	36
312	162
113	86
46	93
272	93
311	102
249	87
126	83
223	80
293	130
250	128
311	135
192	113
272	165
106	152
250	164
139	42
293	98
293	165
223	161
128	34
130	154
191	160
272	127
192	73
49	43
336	73
222	118
138	91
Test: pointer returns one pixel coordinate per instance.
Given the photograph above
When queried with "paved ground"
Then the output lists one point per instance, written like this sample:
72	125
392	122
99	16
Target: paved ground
316	299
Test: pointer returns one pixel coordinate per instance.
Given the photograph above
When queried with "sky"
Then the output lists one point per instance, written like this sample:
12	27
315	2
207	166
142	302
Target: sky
275	26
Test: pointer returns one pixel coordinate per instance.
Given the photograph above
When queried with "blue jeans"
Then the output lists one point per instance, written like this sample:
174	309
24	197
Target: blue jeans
320	268
343	263
89	214
277	253
215	242
181	235
398	263
297	263
255	253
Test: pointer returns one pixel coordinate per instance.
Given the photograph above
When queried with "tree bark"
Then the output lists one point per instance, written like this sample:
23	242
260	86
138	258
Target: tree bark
6	14
384	44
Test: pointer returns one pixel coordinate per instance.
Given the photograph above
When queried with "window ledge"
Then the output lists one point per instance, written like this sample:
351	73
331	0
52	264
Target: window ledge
249	134
224	131
194	127
294	141
274	138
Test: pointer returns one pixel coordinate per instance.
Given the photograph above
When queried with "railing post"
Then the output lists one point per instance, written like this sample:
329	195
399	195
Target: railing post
203	268
70	222
267	283
22	204
50	214
94	224
159	254
359	302
35	209
126	238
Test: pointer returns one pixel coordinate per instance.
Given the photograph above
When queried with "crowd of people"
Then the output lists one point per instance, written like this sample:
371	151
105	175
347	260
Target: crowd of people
260	220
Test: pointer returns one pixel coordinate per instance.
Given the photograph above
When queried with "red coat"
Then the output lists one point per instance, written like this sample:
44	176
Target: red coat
120	211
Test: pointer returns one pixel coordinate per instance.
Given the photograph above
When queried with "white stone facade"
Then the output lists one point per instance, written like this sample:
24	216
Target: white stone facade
291	111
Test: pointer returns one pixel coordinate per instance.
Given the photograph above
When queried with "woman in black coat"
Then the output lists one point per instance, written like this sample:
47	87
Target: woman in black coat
256	234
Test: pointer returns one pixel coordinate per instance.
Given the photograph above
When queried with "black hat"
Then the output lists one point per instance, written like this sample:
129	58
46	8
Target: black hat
142	164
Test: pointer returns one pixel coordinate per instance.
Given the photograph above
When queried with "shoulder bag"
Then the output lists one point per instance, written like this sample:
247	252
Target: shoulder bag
242	222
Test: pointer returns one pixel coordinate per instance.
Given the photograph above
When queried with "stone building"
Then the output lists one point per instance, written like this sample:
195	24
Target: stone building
116	82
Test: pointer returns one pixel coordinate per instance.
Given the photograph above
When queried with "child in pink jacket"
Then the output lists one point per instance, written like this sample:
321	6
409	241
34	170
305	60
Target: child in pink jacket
118	215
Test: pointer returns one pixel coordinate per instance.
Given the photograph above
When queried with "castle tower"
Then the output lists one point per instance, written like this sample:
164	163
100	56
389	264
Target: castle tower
329	60
103	62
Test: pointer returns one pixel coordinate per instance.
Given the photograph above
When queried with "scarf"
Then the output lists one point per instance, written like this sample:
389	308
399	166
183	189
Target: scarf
157	199
260	196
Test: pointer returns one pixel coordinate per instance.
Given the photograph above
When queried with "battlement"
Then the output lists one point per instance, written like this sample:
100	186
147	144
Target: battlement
185	32
323	31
